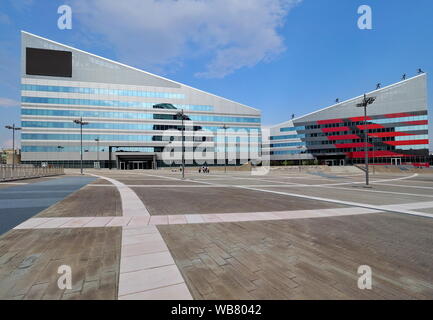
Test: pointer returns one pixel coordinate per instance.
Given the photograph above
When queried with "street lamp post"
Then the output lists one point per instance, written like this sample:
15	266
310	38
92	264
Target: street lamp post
81	123
225	147
13	128
364	104
97	152
182	116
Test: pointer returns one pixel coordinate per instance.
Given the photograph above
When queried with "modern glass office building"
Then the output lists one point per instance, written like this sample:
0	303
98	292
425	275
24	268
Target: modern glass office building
397	129
132	116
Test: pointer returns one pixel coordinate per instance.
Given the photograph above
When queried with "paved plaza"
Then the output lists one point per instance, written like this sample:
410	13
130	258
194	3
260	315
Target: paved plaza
151	235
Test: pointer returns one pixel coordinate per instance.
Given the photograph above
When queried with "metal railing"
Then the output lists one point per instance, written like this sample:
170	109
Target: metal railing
28	171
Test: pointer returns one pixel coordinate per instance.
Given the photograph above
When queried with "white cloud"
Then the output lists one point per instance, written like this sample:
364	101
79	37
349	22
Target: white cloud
6	102
231	34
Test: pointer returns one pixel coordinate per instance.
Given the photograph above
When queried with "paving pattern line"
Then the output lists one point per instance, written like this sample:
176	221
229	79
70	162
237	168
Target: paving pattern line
380	191
147	269
142	222
14	183
395	209
131	203
405	186
291	184
348	203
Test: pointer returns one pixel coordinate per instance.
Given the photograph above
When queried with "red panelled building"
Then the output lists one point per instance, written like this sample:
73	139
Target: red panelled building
396	125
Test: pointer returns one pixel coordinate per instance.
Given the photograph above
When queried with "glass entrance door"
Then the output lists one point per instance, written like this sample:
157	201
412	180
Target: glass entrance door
137	165
396	161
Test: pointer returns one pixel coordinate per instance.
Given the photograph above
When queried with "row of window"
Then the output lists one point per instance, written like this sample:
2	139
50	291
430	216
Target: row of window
412	128
124	126
371	149
292	129
357	131
414	147
85	148
286	152
117	92
357	123
120	137
292	136
128	115
288	144
414	137
133	149
401	119
110	103
370	140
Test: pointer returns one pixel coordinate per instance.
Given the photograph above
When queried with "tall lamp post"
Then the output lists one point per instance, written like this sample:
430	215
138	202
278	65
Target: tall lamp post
180	115
13	128
225	147
97	152
364	104
81	123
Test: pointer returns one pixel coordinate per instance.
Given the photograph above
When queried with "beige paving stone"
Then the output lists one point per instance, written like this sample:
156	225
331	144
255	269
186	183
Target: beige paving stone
194	218
77	222
133	230
98	222
177	219
32	223
174	292
119	222
139	221
139	249
138	281
54	223
155	220
145	261
142	239
211	218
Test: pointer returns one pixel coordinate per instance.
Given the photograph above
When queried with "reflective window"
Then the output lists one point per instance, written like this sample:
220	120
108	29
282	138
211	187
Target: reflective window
412	128
125	126
89	148
128	115
286	152
401	119
414	137
117	92
293	136
289	144
414	147
292	129
110	103
104	137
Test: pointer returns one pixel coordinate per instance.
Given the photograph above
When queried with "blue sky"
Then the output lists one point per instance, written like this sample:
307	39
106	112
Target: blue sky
280	56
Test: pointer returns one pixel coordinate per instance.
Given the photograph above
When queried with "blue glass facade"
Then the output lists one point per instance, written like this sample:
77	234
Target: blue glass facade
126	110
120	126
128	115
101	91
109	103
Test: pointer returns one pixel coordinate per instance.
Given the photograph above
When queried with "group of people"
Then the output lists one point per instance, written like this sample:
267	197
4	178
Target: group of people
203	169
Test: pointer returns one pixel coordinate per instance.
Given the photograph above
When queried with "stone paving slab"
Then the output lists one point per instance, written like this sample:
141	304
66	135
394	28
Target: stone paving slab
172	201
136	222
29	262
147	269
299	251
88	201
305	258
